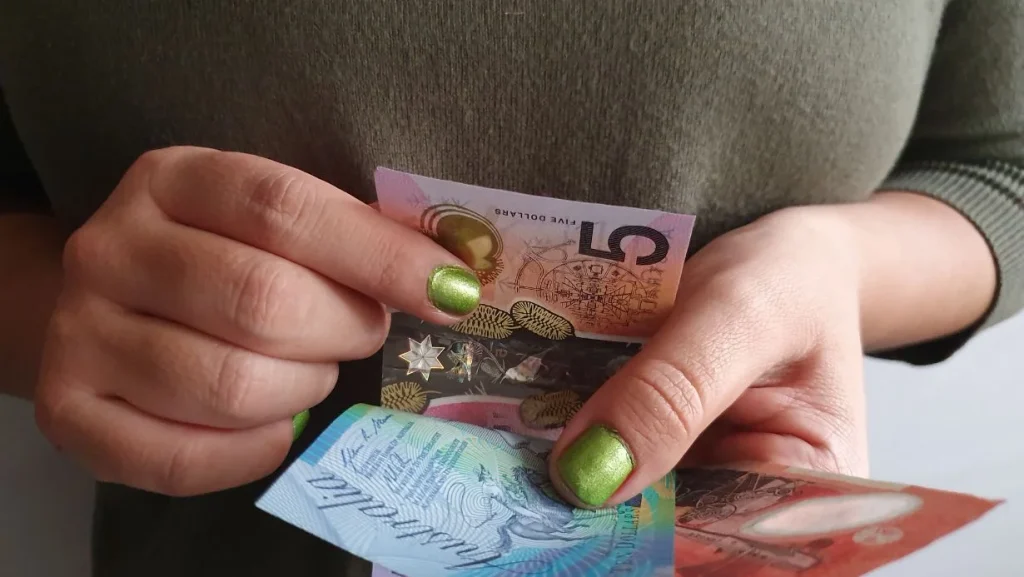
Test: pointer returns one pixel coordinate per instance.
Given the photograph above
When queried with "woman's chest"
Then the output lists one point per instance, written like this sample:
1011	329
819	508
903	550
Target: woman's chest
724	108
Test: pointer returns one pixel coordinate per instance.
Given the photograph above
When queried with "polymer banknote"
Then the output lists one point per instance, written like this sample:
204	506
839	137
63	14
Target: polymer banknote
425	497
571	290
762	520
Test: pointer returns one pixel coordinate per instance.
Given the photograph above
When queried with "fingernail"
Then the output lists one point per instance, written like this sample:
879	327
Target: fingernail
299	423
595	465
453	290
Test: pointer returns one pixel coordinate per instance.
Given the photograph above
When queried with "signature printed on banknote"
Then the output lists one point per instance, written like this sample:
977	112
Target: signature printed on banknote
432	498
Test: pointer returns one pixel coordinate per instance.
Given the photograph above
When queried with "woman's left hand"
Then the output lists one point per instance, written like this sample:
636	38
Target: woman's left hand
761	360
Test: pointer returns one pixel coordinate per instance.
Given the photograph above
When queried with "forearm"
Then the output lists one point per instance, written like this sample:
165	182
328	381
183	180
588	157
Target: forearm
926	272
30	253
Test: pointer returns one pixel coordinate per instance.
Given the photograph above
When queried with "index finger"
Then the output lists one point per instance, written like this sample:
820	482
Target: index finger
299	217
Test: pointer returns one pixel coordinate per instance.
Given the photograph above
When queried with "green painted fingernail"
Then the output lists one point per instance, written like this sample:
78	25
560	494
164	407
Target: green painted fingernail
299	423
595	465
453	290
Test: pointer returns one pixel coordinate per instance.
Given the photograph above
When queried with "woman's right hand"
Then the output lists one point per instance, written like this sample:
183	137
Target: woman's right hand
207	303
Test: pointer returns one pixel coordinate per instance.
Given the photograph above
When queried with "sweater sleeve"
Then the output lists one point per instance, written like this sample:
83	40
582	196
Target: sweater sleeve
20	189
967	147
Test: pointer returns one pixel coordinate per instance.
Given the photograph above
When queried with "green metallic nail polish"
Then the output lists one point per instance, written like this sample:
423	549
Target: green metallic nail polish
595	465
453	290
299	423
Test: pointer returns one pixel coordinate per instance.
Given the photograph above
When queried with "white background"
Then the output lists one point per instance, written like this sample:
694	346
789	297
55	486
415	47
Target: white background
956	426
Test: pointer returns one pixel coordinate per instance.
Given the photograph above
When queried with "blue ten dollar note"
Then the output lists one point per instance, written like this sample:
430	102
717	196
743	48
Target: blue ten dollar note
427	497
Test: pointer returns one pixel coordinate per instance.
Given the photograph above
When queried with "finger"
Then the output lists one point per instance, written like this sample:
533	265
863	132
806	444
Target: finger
178	374
120	444
243	295
812	416
741	445
306	220
639	424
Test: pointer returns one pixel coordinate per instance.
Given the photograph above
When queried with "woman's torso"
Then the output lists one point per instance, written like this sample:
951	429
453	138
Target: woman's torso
727	109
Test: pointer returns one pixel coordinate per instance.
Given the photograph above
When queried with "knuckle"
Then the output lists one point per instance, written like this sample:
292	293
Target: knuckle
263	294
234	385
156	159
828	460
149	161
53	398
282	206
150	170
389	267
162	173
673	396
378	334
174	475
65	324
369	344
374	335
50	411
325	381
85	248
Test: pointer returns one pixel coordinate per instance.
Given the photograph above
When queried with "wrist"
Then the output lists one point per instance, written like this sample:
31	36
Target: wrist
923	270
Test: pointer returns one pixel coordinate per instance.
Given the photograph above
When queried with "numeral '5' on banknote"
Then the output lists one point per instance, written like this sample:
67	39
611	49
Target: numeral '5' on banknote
432	498
555	267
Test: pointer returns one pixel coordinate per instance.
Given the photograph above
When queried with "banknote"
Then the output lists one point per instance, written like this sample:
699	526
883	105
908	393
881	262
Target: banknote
762	520
552	267
521	383
426	497
571	291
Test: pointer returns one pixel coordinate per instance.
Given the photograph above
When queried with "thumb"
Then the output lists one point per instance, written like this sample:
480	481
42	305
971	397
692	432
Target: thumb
638	425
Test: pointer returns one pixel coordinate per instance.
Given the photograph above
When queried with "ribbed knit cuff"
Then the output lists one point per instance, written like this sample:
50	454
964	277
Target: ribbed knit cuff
990	195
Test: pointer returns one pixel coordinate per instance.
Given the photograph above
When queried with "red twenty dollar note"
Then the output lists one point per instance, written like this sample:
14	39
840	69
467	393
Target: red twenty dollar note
771	521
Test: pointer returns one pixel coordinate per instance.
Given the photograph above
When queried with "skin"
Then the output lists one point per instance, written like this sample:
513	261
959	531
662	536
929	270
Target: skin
182	342
761	359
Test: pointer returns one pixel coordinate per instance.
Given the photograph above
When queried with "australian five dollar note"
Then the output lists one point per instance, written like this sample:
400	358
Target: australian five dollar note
570	292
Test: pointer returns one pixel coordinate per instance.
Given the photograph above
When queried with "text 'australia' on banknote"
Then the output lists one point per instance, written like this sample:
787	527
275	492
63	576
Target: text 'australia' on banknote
570	291
428	498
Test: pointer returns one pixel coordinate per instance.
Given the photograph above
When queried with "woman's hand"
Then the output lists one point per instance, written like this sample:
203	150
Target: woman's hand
208	302
762	357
